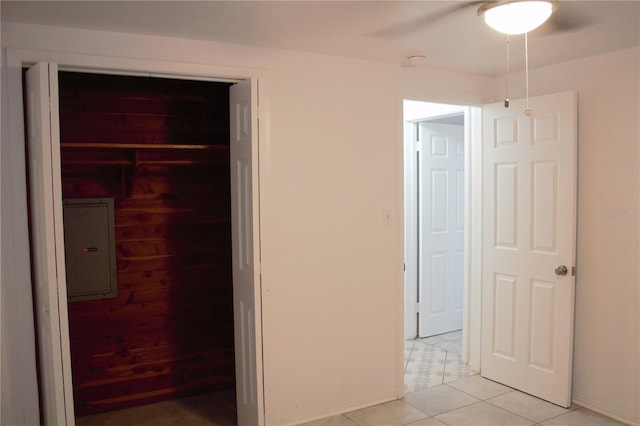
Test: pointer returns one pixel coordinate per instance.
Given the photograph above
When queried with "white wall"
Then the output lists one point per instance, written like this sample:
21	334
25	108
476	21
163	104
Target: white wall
332	272
606	373
331	166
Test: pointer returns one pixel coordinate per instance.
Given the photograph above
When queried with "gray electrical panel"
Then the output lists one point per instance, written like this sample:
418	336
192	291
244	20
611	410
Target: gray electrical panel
89	247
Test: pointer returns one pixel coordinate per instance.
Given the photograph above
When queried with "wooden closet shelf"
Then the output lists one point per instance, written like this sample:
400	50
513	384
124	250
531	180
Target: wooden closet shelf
134	159
101	145
97	162
141	162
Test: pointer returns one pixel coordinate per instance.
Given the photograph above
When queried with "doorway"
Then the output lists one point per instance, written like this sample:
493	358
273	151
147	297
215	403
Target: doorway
521	166
158	148
434	218
439	294
46	198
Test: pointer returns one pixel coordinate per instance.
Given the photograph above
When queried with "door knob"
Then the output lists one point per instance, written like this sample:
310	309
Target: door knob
561	270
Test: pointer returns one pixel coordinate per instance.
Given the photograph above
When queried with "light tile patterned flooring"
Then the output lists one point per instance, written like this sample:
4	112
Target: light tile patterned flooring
439	389
472	401
434	361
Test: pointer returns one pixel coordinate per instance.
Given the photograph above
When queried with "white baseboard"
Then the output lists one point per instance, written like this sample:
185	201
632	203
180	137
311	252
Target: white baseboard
606	409
340	408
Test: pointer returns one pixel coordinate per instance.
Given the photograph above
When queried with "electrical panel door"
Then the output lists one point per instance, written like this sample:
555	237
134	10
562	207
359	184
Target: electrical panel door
89	245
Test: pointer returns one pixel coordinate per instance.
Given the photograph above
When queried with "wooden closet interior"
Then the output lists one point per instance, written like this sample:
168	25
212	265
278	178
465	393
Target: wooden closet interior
160	149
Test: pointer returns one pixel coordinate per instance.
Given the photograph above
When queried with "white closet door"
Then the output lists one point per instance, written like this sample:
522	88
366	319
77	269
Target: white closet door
246	260
48	244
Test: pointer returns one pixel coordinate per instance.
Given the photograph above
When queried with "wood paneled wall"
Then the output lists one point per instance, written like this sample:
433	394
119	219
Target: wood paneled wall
169	332
124	109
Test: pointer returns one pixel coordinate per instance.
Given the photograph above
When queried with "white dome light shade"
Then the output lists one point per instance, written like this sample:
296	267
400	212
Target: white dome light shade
518	17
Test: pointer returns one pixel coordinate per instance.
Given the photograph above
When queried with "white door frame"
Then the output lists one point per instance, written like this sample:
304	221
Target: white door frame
472	234
19	58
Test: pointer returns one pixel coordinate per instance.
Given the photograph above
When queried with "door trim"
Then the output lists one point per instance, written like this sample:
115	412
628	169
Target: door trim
18	58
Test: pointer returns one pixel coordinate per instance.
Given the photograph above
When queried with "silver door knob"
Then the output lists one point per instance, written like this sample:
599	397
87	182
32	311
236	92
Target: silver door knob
561	270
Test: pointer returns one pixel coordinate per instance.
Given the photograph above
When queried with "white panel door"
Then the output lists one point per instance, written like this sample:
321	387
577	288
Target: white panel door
245	246
441	234
529	230
48	245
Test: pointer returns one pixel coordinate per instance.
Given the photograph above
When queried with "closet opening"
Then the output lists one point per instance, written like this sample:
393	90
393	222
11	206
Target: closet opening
157	149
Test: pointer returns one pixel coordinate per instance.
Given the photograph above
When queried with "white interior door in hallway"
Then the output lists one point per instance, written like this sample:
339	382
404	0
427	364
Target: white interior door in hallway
441	193
529	232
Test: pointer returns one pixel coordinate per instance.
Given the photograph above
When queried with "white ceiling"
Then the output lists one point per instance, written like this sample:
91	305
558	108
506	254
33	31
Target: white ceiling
458	41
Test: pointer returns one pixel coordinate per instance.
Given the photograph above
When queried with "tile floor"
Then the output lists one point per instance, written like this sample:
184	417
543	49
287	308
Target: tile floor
469	401
217	409
439	389
434	361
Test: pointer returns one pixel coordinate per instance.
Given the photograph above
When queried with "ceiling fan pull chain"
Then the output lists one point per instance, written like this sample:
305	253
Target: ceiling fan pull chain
527	111
506	99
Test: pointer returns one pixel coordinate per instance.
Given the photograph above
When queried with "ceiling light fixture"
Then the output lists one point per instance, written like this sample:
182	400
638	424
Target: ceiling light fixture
516	16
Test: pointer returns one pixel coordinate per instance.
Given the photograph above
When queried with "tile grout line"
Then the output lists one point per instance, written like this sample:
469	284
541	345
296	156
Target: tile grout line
480	401
513	412
406	364
457	408
444	367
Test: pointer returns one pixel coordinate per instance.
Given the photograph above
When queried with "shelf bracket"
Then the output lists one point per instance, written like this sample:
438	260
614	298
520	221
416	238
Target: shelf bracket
129	174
